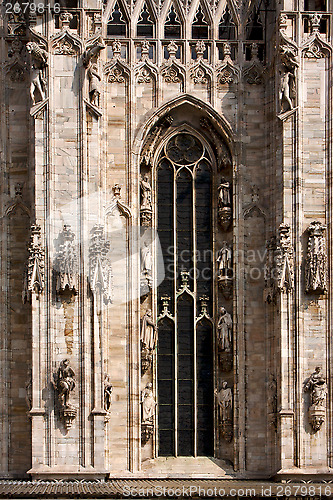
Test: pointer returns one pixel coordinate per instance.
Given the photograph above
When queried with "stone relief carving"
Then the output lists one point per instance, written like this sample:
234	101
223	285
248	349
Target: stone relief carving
28	389
253	74
39	58
225	270
315	47
92	50
200	72
64	384
148	405
146	210
16	66
34	274
316	262
224	204
225	406
172	71
228	72
223	154
155	135
66	262
148	340
100	271
66	42
16	23
316	385
272	401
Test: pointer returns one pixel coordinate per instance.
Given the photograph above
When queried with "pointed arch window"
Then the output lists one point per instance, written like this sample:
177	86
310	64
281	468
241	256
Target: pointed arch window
172	26
146	26
227	28
200	25
185	357
254	28
117	24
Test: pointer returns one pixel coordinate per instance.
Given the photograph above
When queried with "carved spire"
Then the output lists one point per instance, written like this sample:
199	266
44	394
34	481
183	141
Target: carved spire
34	274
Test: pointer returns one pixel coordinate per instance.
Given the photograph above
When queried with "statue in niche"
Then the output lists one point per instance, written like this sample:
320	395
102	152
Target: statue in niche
65	382
94	84
148	331
108	388
64	385
148	404
224	205
224	199
148	340
316	262
146	264
224	329
146	203
225	406
317	386
287	91
224	259
39	58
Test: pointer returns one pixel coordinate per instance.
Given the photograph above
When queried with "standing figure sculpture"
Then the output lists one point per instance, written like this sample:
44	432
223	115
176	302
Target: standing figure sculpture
224	259
224	199
146	263
65	382
146	209
148	404
94	84
108	388
224	329
148	331
317	386
225	406
39	62
287	90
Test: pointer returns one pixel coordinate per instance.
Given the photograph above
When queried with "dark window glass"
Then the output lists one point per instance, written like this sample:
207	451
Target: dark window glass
172	26
145	26
200	25
315	5
227	28
117	25
254	28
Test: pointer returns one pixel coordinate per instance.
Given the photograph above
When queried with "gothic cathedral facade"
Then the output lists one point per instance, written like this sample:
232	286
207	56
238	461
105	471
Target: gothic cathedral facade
166	229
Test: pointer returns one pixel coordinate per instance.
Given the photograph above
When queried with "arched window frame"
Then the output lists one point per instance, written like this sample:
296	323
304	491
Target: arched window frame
214	293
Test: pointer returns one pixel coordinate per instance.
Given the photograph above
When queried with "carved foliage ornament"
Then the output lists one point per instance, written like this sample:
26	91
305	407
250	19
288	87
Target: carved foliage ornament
34	275
316	262
155	134
224	159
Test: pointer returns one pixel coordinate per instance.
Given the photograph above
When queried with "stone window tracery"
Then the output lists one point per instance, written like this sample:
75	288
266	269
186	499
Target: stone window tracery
172	25
227	28
145	25
117	24
185	356
200	25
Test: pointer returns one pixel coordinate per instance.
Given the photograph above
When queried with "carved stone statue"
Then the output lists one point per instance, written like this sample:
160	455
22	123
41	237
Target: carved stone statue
108	388
148	404
65	382
93	48
148	331
224	259
224	199
224	329
146	203
225	406
316	263
287	91
94	84
39	62
316	385
146	264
